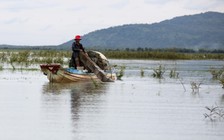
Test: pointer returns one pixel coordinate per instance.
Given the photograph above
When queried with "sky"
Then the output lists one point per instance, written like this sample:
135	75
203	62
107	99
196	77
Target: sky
53	22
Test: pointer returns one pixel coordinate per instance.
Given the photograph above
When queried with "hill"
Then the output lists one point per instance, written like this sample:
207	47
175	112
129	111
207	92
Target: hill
199	31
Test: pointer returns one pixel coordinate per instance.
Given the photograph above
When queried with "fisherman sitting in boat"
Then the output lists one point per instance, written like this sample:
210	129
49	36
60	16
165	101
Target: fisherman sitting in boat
76	48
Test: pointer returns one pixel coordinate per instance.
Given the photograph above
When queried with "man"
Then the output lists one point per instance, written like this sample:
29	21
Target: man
76	48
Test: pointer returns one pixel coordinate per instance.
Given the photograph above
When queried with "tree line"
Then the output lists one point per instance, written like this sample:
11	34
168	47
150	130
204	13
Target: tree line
178	50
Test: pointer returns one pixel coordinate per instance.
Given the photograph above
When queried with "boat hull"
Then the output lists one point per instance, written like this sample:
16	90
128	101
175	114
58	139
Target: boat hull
55	73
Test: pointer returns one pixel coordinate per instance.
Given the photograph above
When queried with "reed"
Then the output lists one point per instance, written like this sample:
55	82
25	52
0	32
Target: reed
3	57
12	60
221	80
173	74
58	60
120	74
214	113
23	58
216	73
47	60
158	72
1	67
195	87
142	72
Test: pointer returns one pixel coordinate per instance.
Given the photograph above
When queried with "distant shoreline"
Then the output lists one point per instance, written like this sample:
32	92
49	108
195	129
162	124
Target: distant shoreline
156	54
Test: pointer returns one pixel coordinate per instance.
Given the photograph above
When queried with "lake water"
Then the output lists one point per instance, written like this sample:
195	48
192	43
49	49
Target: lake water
135	108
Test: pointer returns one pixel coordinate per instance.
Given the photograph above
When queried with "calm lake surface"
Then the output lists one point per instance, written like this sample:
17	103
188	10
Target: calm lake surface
135	108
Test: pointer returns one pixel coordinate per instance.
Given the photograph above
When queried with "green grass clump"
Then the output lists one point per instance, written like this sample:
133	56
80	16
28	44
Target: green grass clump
120	74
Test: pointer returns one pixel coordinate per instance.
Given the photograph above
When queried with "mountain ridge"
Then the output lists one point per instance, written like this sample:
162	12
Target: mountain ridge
199	31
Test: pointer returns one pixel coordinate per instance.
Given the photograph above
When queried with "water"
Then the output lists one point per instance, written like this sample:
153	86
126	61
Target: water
136	108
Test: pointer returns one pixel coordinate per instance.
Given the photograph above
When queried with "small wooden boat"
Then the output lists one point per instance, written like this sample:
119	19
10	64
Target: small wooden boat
56	73
94	62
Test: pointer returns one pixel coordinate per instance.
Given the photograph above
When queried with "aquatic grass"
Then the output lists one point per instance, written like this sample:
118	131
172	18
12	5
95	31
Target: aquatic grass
58	60
216	73
51	53
1	67
3	57
47	60
214	113
28	69
16	58
158	72
142	72
174	73
221	80
195	87
23	58
111	54
120	74
12	60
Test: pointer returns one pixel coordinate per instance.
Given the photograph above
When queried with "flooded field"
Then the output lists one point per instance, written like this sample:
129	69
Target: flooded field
138	107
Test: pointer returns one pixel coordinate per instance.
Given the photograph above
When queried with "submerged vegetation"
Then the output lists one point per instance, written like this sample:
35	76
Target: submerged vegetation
214	113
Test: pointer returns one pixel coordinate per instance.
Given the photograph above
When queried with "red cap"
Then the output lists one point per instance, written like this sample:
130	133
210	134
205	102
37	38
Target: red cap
77	37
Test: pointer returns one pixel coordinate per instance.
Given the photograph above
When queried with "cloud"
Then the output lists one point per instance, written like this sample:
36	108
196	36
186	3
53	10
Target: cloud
119	4
157	2
45	28
204	5
55	21
25	5
16	20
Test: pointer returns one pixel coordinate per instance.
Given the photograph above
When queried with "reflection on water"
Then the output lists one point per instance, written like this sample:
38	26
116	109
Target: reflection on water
57	88
84	99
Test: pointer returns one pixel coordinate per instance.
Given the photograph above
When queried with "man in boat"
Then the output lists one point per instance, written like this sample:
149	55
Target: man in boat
76	48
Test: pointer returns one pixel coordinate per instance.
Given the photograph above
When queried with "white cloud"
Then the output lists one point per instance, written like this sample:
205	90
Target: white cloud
46	22
205	5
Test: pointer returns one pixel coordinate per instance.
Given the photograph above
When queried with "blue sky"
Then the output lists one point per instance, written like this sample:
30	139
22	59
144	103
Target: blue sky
52	22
